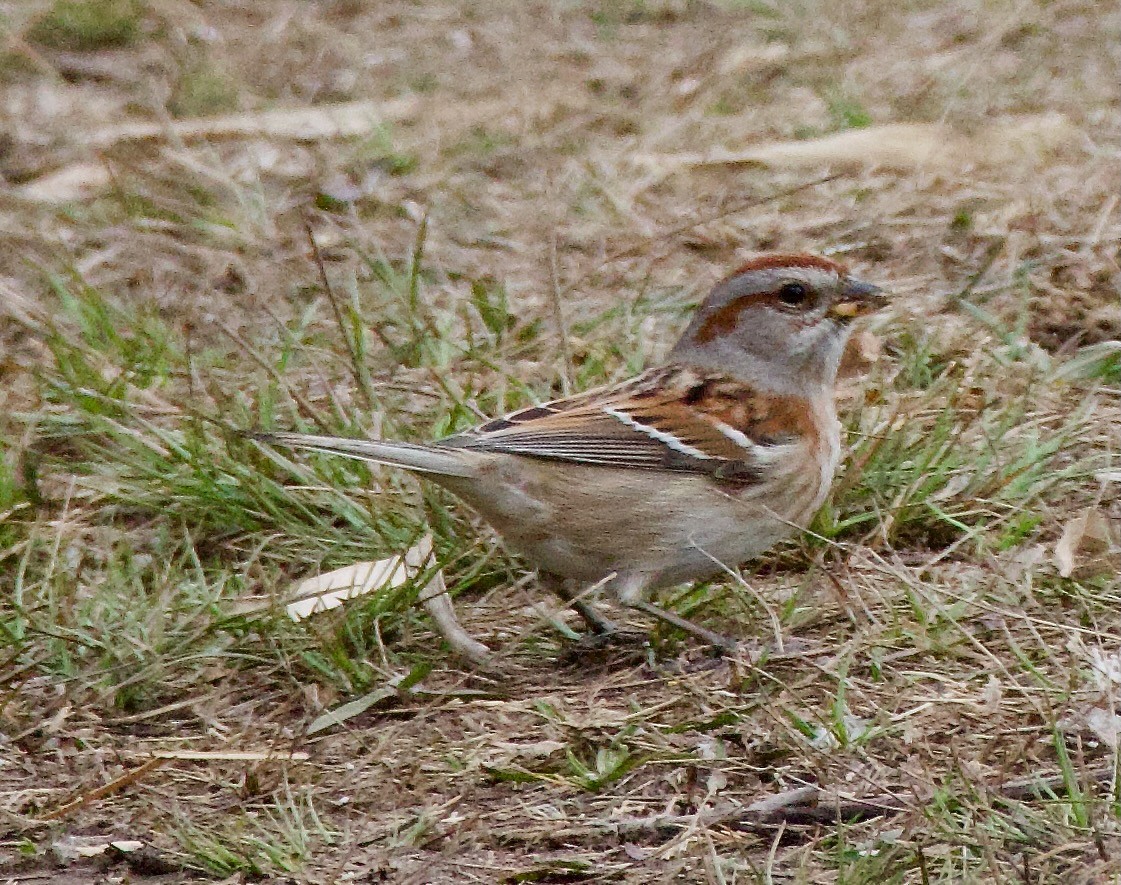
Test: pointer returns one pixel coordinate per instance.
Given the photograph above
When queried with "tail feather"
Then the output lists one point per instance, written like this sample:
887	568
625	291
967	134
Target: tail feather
423	459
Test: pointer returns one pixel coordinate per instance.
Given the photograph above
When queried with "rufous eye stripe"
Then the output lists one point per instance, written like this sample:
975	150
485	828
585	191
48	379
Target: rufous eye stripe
723	321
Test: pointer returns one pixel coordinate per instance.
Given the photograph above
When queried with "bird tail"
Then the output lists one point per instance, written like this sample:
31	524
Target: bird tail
422	459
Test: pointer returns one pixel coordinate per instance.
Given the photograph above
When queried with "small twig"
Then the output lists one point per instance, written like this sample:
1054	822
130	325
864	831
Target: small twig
188	343
356	367
159	759
304	405
104	790
994	250
855	471
770	806
415	260
738	206
151	714
811	804
337	407
1103	220
230	756
437	602
773	853
558	316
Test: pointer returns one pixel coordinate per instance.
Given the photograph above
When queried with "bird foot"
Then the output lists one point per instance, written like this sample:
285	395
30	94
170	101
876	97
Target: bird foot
596	643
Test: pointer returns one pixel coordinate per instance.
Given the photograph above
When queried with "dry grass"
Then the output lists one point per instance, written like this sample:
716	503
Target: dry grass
158	292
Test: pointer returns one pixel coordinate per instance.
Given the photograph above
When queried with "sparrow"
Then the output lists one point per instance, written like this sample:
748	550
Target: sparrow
689	469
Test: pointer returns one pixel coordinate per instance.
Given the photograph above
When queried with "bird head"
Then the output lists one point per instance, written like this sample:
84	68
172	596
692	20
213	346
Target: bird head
782	320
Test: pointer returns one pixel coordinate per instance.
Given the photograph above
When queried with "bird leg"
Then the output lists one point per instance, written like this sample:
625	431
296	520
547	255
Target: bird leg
721	642
597	622
602	626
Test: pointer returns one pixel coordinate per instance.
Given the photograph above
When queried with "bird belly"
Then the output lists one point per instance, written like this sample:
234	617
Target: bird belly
649	529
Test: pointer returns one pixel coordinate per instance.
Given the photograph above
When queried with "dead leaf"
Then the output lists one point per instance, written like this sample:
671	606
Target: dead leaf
1019	561
716	782
350	709
325	592
231	755
438	603
86	178
310	123
861	351
904	147
1089	546
79	181
69	849
1106	669
991	695
1106	726
504	753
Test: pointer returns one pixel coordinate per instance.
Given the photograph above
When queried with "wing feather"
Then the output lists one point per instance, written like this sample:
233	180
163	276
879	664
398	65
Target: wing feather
673	418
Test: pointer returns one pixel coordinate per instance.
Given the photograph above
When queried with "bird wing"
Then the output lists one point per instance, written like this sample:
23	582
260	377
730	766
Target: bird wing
672	418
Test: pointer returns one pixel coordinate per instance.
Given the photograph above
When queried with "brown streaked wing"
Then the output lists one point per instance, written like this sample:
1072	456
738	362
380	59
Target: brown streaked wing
665	419
646	384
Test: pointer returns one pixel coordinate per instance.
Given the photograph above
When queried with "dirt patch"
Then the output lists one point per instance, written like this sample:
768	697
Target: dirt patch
1081	303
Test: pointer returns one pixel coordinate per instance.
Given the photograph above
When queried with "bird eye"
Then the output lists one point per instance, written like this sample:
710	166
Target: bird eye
792	293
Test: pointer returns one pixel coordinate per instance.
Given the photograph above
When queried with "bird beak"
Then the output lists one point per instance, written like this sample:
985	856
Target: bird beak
857	299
